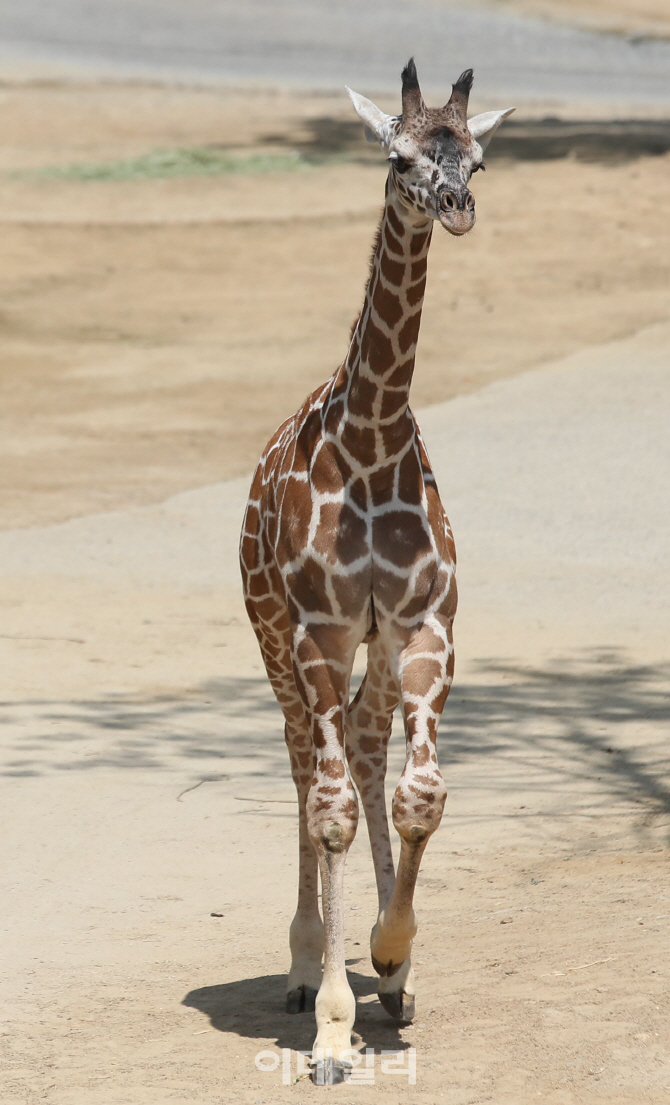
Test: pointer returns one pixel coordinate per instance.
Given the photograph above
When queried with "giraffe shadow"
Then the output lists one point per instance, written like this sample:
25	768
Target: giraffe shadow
254	1008
594	713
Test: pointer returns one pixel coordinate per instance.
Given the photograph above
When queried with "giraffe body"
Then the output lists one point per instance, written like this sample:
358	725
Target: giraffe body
345	541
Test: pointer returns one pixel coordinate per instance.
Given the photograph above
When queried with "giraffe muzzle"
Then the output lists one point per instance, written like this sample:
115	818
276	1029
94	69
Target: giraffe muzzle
457	211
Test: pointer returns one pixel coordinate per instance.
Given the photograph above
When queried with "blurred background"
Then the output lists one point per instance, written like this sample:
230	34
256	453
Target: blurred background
188	202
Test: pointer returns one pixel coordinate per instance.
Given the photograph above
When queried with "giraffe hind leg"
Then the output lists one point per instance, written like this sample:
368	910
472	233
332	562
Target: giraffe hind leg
306	937
368	731
369	721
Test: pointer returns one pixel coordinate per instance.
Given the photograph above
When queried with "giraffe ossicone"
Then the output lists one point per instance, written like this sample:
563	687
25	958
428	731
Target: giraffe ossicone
345	542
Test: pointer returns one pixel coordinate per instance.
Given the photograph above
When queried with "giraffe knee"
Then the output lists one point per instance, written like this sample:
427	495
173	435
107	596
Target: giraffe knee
333	835
418	805
332	824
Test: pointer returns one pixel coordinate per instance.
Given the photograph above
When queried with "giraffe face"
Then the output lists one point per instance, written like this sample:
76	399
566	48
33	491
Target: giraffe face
430	174
432	152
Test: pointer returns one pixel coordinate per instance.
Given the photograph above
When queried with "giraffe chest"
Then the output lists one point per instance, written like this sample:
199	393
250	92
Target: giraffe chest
323	549
345	537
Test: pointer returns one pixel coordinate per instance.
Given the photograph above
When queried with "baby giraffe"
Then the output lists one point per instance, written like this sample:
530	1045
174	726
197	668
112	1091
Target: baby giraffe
345	541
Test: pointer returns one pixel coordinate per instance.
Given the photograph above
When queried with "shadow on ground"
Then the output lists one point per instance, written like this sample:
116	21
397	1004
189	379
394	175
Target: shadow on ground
254	1008
546	139
594	717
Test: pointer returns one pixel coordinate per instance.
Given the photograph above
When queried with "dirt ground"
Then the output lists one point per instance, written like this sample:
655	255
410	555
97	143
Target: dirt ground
154	332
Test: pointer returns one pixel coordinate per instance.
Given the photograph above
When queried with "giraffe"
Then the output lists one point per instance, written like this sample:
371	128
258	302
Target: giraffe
345	542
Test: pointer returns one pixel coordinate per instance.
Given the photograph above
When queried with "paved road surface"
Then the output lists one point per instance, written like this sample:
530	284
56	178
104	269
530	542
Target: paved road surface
319	43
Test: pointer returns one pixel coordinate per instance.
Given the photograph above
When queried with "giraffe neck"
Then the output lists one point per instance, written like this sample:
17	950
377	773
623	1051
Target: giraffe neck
376	376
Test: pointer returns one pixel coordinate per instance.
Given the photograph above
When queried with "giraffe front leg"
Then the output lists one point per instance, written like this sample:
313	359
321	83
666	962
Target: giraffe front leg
332	817
425	673
335	1003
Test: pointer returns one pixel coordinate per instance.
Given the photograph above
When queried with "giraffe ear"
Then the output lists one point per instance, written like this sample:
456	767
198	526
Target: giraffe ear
379	127
483	127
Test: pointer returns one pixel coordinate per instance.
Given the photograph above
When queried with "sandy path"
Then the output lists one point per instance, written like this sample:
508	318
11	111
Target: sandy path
543	904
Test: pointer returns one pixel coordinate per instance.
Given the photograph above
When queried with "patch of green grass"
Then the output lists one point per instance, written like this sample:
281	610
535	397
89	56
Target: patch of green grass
163	164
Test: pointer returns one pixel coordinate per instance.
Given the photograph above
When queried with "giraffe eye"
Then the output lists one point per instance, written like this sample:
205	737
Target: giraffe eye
481	166
400	164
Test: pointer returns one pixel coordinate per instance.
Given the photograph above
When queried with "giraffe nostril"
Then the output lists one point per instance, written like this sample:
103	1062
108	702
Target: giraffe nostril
448	201
470	202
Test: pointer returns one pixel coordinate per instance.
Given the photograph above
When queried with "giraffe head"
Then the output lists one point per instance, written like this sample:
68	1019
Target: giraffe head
432	152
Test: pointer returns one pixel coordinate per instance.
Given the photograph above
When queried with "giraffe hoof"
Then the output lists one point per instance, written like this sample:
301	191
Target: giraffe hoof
385	969
329	1072
301	1000
398	1005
